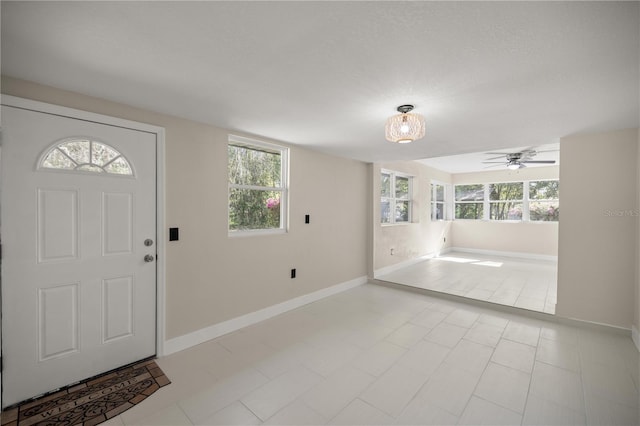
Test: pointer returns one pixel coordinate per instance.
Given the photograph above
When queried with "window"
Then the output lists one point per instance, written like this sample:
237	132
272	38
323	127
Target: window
469	201
395	198
85	155
438	202
527	201
505	201
544	202
257	186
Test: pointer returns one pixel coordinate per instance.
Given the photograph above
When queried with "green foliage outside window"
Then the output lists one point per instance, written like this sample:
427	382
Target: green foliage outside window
385	185
402	211
395	198
255	188
544	202
505	201
469	211
402	187
469	201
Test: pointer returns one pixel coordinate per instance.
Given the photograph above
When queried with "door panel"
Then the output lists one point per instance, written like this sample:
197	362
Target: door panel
57	321
117	223
117	298
57	225
78	297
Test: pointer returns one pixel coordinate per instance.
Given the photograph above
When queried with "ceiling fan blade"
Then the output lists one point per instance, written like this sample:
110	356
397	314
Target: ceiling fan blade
497	153
495	158
495	165
494	162
549	150
539	161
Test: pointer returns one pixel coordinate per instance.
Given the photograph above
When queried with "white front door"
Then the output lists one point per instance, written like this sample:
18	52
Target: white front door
78	250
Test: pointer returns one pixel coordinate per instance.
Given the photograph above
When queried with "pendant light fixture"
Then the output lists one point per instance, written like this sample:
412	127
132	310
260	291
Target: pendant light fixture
404	127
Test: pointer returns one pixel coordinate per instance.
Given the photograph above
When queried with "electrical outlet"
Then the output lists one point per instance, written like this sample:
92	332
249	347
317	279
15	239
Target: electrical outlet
391	252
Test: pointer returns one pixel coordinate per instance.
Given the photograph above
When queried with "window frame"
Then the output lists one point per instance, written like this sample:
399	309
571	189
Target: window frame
520	201
541	200
244	142
80	168
446	202
526	201
483	202
393	199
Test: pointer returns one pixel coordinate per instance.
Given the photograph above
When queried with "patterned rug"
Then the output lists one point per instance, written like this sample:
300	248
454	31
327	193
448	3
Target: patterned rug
93	401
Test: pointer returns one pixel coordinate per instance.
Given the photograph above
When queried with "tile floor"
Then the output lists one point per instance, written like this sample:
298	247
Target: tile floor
376	355
522	283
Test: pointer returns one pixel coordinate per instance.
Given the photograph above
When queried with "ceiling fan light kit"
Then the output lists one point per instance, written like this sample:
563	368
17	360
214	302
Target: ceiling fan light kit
514	165
404	127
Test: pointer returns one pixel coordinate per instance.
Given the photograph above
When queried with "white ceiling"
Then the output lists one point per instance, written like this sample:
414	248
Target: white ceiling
327	74
475	161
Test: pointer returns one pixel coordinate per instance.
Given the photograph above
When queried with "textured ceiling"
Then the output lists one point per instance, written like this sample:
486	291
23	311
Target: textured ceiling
327	74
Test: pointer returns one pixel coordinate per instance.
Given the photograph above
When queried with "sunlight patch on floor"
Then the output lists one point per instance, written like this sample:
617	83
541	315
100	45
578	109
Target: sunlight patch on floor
489	263
456	259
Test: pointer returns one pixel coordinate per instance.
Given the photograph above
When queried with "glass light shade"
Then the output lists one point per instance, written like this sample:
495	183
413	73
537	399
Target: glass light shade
404	128
514	165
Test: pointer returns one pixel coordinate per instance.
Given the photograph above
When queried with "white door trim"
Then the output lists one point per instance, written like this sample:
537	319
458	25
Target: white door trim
160	188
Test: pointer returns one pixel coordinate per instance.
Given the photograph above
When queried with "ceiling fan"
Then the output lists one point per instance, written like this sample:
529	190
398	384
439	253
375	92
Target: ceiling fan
517	160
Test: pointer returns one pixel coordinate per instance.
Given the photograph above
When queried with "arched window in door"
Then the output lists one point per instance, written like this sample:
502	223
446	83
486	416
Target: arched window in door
85	155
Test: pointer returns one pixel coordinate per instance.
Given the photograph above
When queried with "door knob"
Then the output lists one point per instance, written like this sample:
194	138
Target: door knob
149	258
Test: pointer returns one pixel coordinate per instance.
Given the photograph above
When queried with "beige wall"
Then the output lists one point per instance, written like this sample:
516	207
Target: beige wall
422	236
526	238
211	277
535	238
636	308
598	230
208	280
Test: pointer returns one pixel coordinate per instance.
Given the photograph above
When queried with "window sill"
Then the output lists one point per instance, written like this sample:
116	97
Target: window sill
256	233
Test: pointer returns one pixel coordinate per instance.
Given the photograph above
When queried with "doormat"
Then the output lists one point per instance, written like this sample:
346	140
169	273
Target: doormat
93	401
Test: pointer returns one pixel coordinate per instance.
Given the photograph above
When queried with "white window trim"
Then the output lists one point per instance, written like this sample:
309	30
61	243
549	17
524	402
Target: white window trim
529	201
56	146
447	203
526	217
284	188
485	214
392	199
487	194
525	204
486	204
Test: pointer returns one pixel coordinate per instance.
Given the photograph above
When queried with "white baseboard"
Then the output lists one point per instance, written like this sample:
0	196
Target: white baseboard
531	256
200	336
392	268
518	255
635	335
